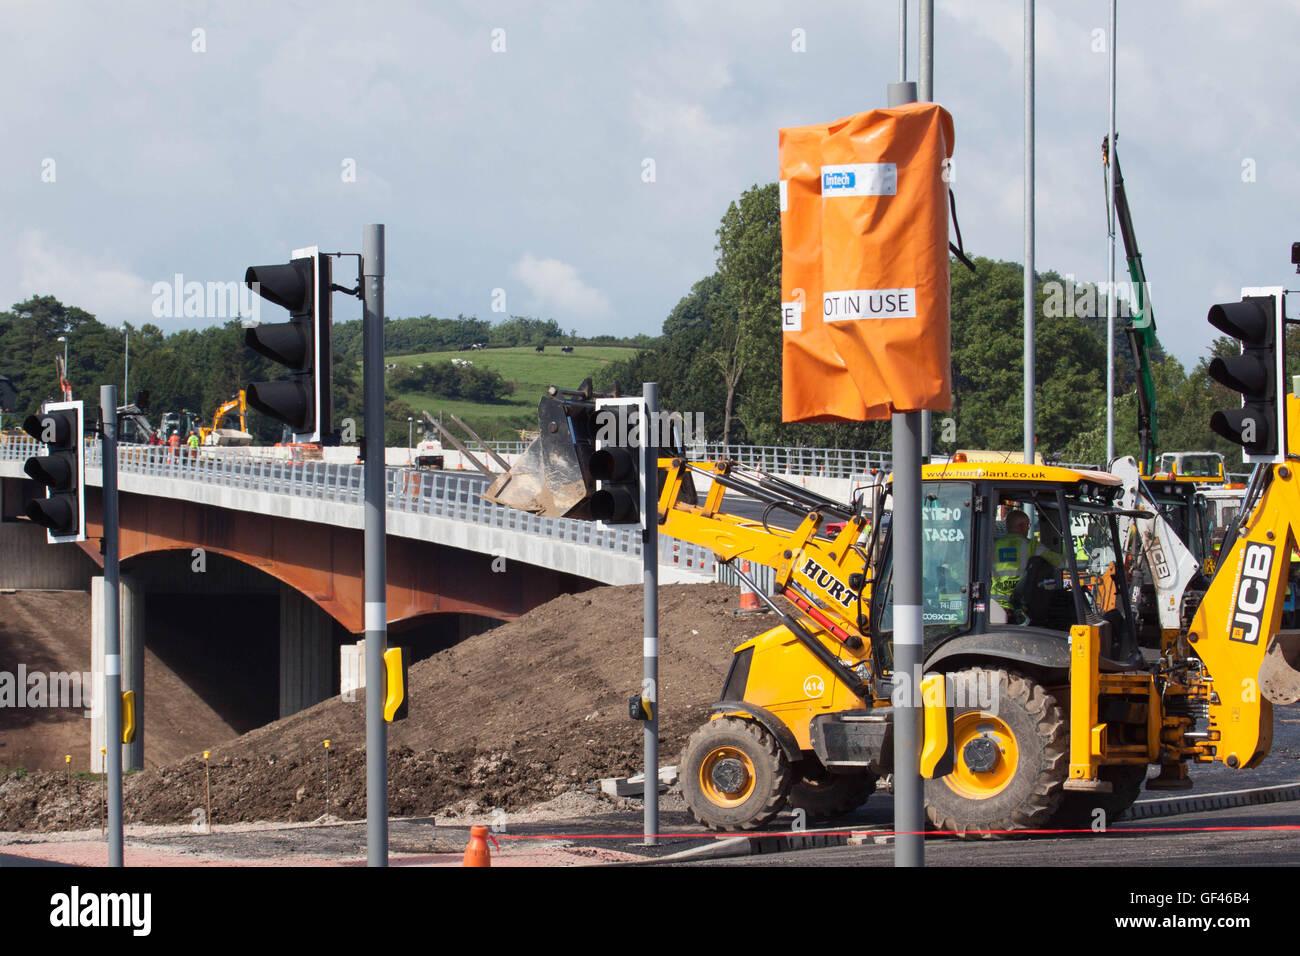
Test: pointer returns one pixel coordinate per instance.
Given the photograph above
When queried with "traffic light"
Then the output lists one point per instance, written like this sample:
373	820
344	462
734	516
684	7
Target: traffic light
616	463
62	512
304	400
1259	425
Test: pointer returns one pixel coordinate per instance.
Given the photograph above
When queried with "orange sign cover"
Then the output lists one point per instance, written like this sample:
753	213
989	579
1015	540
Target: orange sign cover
864	277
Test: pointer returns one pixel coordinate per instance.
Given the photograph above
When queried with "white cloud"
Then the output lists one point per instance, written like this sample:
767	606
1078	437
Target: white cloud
556	285
102	287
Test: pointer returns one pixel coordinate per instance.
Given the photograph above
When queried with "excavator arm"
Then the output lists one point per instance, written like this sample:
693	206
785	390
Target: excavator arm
1236	632
826	574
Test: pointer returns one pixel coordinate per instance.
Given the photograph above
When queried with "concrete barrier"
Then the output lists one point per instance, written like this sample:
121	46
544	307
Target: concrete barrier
28	561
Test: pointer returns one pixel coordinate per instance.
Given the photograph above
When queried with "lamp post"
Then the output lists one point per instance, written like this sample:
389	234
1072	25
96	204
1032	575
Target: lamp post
410	433
63	378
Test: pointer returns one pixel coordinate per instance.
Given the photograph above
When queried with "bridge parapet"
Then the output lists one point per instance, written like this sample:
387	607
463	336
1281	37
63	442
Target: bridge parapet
443	507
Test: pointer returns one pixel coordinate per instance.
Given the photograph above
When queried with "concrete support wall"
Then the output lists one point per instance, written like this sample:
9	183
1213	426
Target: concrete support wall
133	606
307	673
27	560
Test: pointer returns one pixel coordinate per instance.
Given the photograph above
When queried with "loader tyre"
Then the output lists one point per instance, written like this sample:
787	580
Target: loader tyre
1077	809
1011	761
734	775
823	794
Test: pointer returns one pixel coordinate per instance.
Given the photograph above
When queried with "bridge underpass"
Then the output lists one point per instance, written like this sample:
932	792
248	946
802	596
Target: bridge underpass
245	648
456	565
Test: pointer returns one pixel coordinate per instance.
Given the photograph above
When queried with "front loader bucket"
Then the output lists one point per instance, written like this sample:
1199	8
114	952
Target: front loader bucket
552	477
1279	673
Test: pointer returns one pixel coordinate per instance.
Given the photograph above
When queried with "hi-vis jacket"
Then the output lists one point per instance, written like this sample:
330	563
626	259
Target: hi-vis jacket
1011	554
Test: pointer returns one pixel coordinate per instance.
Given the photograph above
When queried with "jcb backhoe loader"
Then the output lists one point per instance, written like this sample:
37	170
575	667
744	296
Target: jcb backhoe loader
1039	706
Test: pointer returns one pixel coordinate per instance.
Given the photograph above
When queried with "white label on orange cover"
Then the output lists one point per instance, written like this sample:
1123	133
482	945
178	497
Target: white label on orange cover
860	179
869	304
791	316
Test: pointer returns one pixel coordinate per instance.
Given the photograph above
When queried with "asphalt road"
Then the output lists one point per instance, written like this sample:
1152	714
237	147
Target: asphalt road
1266	835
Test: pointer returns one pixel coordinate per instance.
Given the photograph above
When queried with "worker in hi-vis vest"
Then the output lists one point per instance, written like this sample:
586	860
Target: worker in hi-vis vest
1011	554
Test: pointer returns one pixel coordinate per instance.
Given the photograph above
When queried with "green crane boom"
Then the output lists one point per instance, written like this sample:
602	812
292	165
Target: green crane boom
1141	329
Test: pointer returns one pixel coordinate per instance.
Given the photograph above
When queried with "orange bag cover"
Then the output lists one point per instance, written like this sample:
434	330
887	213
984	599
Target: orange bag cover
864	275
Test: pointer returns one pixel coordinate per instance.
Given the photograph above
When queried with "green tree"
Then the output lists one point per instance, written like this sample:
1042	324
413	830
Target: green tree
748	339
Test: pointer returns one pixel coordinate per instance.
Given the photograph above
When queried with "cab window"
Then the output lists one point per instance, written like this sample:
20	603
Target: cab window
945	564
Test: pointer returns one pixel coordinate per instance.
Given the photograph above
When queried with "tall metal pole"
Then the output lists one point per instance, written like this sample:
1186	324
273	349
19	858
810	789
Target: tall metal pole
1110	273
909	793
126	366
376	597
925	93
112	620
902	41
925	77
1029	232
650	627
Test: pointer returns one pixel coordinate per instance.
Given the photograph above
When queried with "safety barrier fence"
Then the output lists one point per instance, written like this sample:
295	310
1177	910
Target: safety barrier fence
452	495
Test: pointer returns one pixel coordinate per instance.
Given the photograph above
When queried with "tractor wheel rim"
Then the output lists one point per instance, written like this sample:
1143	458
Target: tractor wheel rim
980	785
711	780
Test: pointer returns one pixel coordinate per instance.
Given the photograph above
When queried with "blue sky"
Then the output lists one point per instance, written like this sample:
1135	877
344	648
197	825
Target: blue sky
200	138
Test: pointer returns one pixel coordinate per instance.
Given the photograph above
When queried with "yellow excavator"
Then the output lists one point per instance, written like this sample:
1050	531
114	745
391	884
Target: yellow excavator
215	434
1039	706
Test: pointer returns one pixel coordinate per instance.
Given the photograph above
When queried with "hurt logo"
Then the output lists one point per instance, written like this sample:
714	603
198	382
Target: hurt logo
1252	593
832	586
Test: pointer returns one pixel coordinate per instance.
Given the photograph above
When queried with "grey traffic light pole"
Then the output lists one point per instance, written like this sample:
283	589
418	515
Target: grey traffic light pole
650	577
1029	309
376	597
925	91
909	793
112	653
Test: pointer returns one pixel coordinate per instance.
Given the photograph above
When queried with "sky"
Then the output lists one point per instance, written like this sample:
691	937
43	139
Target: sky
571	160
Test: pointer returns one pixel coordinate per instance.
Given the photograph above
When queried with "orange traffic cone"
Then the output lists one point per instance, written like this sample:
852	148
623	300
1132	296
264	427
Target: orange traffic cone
477	853
749	602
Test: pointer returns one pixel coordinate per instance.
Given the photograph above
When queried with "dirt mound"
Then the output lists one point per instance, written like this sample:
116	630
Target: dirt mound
507	718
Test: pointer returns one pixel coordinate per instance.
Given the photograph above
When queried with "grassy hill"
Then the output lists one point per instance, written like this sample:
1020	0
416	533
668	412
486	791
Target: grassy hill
530	370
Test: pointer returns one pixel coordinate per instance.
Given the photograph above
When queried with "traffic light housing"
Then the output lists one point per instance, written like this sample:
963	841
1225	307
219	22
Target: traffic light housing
61	470
616	463
1259	425
304	400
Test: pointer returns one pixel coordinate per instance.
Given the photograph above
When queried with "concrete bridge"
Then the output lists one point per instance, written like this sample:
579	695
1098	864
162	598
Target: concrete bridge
189	522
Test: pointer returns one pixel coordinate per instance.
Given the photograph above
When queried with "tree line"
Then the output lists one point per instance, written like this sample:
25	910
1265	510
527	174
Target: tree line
199	369
719	354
